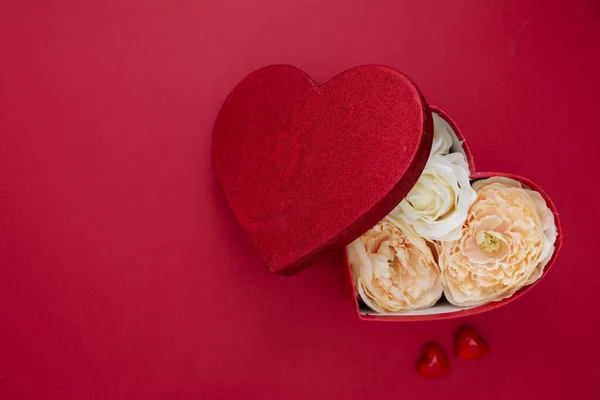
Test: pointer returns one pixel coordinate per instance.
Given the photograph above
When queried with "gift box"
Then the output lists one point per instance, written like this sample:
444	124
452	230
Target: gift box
306	168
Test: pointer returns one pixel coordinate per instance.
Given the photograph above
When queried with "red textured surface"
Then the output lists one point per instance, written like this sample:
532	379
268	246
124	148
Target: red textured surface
306	169
122	271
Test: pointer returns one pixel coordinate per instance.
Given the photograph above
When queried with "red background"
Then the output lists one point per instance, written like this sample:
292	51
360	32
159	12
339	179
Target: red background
122	272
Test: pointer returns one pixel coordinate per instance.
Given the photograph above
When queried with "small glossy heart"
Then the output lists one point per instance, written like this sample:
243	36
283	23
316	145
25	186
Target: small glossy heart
434	362
469	345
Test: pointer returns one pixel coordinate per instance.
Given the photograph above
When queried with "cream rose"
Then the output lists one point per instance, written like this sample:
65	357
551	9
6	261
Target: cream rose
506	242
442	138
394	269
437	206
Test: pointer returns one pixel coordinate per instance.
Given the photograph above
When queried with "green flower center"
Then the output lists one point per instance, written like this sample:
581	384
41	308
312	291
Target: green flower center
490	243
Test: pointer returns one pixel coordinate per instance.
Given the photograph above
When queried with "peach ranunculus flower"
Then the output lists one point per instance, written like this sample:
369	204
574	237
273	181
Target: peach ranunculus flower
394	269
437	206
506	242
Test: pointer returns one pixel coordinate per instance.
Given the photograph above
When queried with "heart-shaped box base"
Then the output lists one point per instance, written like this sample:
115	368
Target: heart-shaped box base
442	309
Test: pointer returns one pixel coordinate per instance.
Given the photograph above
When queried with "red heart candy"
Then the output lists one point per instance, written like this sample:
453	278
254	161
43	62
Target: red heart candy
469	345
434	362
307	168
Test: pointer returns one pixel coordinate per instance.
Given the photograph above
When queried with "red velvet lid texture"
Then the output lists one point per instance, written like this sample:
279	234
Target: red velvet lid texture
307	168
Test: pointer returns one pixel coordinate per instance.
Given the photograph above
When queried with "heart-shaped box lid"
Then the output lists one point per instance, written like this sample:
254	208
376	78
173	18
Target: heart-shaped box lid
308	168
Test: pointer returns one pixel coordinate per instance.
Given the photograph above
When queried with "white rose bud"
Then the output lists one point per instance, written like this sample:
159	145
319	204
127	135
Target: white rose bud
442	139
437	206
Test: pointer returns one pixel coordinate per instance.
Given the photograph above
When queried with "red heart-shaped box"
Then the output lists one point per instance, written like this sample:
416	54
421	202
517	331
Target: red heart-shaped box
308	168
